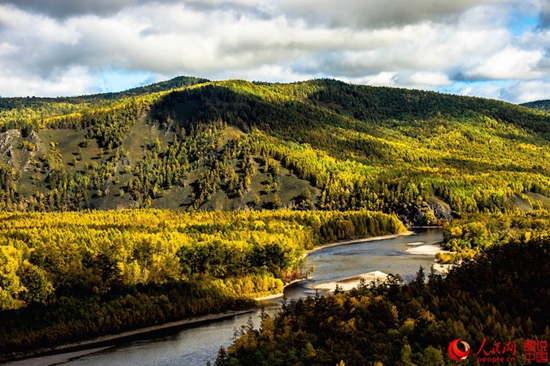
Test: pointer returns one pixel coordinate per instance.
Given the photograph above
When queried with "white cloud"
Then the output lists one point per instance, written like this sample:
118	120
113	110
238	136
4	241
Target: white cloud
372	13
74	81
510	63
427	80
384	78
526	91
7	49
66	8
484	90
514	91
421	44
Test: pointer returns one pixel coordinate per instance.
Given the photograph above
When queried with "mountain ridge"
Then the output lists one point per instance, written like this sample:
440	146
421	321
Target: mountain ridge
174	83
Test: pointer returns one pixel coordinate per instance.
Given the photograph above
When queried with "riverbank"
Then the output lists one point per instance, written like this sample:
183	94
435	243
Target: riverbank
418	248
427	249
355	241
269	297
72	350
330	245
426	227
279	295
348	283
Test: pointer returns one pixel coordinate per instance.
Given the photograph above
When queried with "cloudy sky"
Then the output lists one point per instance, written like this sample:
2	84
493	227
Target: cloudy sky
490	48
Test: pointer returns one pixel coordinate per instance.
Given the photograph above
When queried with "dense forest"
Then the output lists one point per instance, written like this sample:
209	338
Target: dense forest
496	303
64	276
466	236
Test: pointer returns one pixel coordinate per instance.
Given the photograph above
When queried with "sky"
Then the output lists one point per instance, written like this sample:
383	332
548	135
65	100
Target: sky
489	48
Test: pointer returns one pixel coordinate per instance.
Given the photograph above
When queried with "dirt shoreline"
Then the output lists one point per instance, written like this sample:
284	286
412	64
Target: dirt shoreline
348	283
280	294
355	241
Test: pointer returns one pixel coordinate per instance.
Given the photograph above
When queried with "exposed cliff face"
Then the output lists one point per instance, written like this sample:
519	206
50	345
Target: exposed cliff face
17	151
7	141
441	210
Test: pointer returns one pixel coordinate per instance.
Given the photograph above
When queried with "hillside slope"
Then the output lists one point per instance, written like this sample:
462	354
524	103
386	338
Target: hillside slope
233	144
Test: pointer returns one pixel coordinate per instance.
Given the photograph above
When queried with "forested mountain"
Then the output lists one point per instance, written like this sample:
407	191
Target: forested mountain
539	104
193	144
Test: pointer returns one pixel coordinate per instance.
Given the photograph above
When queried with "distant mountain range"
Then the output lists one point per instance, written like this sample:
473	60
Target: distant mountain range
190	143
539	104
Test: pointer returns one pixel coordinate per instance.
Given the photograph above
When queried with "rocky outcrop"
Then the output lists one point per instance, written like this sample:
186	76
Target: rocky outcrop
441	209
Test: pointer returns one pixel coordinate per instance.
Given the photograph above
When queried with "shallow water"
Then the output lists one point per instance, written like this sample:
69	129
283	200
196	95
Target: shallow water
388	256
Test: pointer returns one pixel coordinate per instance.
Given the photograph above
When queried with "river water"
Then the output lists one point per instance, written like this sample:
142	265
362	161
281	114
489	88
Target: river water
199	344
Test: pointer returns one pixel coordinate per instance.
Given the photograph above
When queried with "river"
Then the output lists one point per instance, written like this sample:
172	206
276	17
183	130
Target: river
199	344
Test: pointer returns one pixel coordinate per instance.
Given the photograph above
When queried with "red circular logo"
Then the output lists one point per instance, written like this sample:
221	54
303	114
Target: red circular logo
456	353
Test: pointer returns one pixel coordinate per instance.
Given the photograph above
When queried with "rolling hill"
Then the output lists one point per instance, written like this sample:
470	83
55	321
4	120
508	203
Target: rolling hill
192	144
